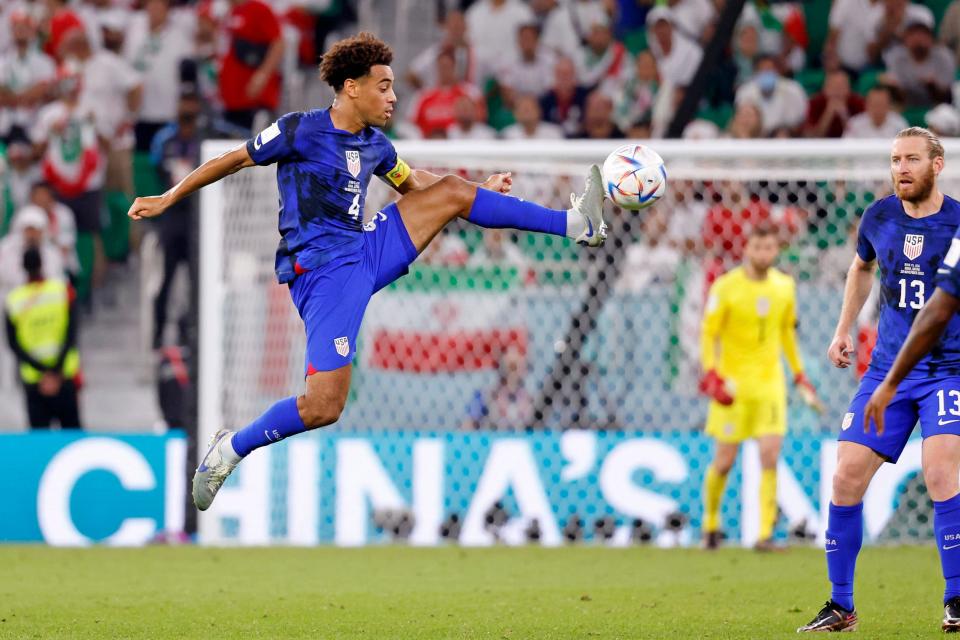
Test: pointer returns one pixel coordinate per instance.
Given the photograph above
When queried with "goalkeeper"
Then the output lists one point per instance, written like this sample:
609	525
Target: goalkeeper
749	321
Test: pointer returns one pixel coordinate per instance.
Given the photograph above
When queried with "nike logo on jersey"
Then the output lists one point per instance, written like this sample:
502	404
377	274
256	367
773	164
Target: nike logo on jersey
952	546
945	422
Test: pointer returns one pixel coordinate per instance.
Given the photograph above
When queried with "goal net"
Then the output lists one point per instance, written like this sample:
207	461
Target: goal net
505	335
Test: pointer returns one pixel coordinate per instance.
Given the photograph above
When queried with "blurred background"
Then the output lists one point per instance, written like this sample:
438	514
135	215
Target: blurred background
493	334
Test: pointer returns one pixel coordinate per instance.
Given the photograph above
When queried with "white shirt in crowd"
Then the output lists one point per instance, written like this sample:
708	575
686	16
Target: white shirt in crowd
691	17
862	126
107	78
679	66
79	131
478	131
493	30
569	22
857	22
157	56
18	73
534	77
544	131
61	231
785	107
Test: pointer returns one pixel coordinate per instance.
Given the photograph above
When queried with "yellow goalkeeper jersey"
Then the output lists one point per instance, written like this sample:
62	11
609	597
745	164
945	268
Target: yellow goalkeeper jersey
754	321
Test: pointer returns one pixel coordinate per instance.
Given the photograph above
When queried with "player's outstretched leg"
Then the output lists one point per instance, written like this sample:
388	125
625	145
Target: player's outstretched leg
425	212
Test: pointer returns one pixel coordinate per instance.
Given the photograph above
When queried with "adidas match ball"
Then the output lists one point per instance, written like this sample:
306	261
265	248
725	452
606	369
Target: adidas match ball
634	177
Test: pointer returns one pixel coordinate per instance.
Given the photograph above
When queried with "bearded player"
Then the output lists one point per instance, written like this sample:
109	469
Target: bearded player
908	235
332	261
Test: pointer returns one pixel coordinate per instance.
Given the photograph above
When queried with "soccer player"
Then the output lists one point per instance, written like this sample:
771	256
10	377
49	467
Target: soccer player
908	234
750	320
332	261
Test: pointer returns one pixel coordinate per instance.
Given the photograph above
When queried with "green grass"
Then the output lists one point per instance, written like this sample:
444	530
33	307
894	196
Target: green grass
398	592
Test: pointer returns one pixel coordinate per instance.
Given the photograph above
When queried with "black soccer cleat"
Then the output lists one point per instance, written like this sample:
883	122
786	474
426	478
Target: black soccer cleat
951	615
711	540
832	617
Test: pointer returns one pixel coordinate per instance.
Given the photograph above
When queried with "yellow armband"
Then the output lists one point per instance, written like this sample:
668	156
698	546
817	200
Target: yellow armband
399	173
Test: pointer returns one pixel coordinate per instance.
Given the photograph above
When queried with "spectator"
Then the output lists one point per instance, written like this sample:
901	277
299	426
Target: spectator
653	260
41	323
433	109
897	16
60	20
65	138
200	72
563	102
492	30
498	250
567	24
250	69
61	225
746	123
529	123
950	29
782	101
598	118
831	109
781	31
422	71
22	172
678	57
634	100
691	17
467	125
943	120
879	120
603	59
853	26
507	405
530	69
156	45
92	14
922	68
175	152
29	228
745	53
26	75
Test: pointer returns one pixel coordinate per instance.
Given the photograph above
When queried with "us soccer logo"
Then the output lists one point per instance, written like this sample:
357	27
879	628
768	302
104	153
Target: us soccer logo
912	245
353	163
342	345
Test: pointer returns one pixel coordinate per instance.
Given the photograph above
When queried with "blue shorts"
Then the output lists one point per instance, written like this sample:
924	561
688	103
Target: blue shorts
331	299
935	402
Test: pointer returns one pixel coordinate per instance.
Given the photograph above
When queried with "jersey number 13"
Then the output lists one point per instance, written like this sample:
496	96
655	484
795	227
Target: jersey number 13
915	297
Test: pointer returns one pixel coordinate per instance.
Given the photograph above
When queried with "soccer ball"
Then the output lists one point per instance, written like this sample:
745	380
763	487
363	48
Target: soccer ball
634	177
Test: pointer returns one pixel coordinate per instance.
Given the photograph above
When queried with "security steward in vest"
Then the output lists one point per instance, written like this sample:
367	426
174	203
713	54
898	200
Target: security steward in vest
42	332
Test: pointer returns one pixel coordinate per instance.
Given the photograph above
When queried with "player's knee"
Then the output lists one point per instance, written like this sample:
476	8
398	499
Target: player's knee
941	481
320	412
458	190
849	484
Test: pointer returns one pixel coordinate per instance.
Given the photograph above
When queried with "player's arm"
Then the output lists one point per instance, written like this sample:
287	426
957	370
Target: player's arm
791	351
714	318
855	292
405	180
209	172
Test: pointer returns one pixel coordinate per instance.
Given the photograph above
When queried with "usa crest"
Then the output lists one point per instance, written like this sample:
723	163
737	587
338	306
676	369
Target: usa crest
912	245
353	163
342	345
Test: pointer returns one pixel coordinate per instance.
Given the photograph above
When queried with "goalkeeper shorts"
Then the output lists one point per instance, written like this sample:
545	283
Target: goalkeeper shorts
748	418
332	298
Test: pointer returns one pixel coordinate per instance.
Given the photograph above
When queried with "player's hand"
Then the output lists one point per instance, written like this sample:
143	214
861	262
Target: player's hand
877	406
808	393
147	207
49	384
713	386
499	182
840	351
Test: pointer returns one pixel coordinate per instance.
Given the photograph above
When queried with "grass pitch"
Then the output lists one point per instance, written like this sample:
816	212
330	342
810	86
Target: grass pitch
399	592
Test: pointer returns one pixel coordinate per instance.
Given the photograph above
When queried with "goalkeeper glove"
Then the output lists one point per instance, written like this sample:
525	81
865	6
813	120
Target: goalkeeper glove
808	392
712	385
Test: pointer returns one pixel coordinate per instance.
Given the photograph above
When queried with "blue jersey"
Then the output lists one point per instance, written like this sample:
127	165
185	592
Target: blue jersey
909	252
322	177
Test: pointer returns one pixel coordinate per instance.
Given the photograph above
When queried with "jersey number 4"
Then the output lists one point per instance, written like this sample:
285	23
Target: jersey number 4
917	293
354	211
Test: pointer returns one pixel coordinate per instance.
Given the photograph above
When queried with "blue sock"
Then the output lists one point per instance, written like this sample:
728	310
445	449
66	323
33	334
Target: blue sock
278	422
498	211
946	524
844	539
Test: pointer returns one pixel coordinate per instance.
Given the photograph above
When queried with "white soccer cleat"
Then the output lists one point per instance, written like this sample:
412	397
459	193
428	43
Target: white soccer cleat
213	469
589	204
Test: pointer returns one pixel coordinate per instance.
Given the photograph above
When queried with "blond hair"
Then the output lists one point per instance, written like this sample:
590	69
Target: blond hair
933	142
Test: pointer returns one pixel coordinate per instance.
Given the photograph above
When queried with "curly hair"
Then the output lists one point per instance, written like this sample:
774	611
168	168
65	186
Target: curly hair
352	58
